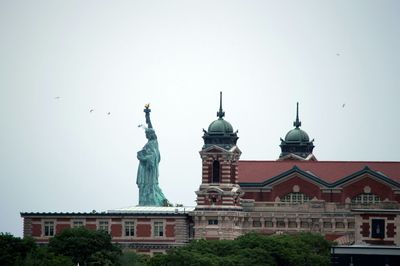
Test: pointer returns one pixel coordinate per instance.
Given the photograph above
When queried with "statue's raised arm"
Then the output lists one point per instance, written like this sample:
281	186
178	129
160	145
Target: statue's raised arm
147	111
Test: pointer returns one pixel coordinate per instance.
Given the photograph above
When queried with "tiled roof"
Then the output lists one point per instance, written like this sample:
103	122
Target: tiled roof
327	171
153	210
134	211
64	214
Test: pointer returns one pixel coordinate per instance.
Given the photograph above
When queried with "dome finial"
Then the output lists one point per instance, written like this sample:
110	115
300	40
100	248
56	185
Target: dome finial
220	113
297	123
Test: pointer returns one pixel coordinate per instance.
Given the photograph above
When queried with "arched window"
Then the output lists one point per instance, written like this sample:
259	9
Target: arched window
295	197
216	172
366	198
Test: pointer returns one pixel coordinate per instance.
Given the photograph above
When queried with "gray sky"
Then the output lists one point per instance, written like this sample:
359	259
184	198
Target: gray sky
115	56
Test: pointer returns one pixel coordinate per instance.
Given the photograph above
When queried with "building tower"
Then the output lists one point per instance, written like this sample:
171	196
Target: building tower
216	215
297	144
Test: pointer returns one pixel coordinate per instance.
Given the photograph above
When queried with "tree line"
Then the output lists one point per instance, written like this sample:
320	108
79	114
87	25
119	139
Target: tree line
304	249
90	247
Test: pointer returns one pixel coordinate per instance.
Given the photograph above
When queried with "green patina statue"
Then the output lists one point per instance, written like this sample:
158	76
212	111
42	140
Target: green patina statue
147	176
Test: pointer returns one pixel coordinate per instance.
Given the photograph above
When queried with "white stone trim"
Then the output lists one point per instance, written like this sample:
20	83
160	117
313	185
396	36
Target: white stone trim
77	220
43	222
123	221
163	221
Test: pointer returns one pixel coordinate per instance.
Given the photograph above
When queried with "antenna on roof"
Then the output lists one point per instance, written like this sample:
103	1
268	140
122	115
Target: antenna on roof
297	123
220	113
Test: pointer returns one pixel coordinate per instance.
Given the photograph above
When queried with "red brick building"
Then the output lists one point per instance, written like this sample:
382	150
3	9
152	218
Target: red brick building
144	229
350	202
345	201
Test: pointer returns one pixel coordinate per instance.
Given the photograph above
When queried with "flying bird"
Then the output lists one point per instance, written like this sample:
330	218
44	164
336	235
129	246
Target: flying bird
337	54
57	97
109	113
343	105
91	110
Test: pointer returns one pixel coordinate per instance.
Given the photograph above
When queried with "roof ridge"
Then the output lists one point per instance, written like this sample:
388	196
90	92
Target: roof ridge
331	161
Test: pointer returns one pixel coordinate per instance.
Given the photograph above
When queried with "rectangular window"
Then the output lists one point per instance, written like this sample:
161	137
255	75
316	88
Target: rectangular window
269	224
256	224
292	224
378	228
103	225
129	228
213	222
340	225
158	229
78	223
48	228
280	224
327	225
304	225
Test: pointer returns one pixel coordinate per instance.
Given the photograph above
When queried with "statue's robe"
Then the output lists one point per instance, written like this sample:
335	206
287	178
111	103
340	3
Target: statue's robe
147	176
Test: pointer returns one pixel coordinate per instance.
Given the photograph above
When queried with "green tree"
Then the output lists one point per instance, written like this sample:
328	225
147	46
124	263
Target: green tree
129	258
301	249
17	251
251	249
13	250
42	257
86	247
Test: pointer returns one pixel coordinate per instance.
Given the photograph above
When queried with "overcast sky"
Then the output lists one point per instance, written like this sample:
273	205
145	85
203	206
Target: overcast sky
59	59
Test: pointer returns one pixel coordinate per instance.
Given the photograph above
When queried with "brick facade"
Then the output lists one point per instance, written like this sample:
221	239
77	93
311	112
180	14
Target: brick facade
175	231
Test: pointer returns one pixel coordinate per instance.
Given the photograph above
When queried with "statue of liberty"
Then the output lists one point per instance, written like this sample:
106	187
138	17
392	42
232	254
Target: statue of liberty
147	176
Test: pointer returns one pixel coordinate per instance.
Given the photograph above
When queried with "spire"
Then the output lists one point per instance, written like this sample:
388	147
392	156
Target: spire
297	143
297	123
220	113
